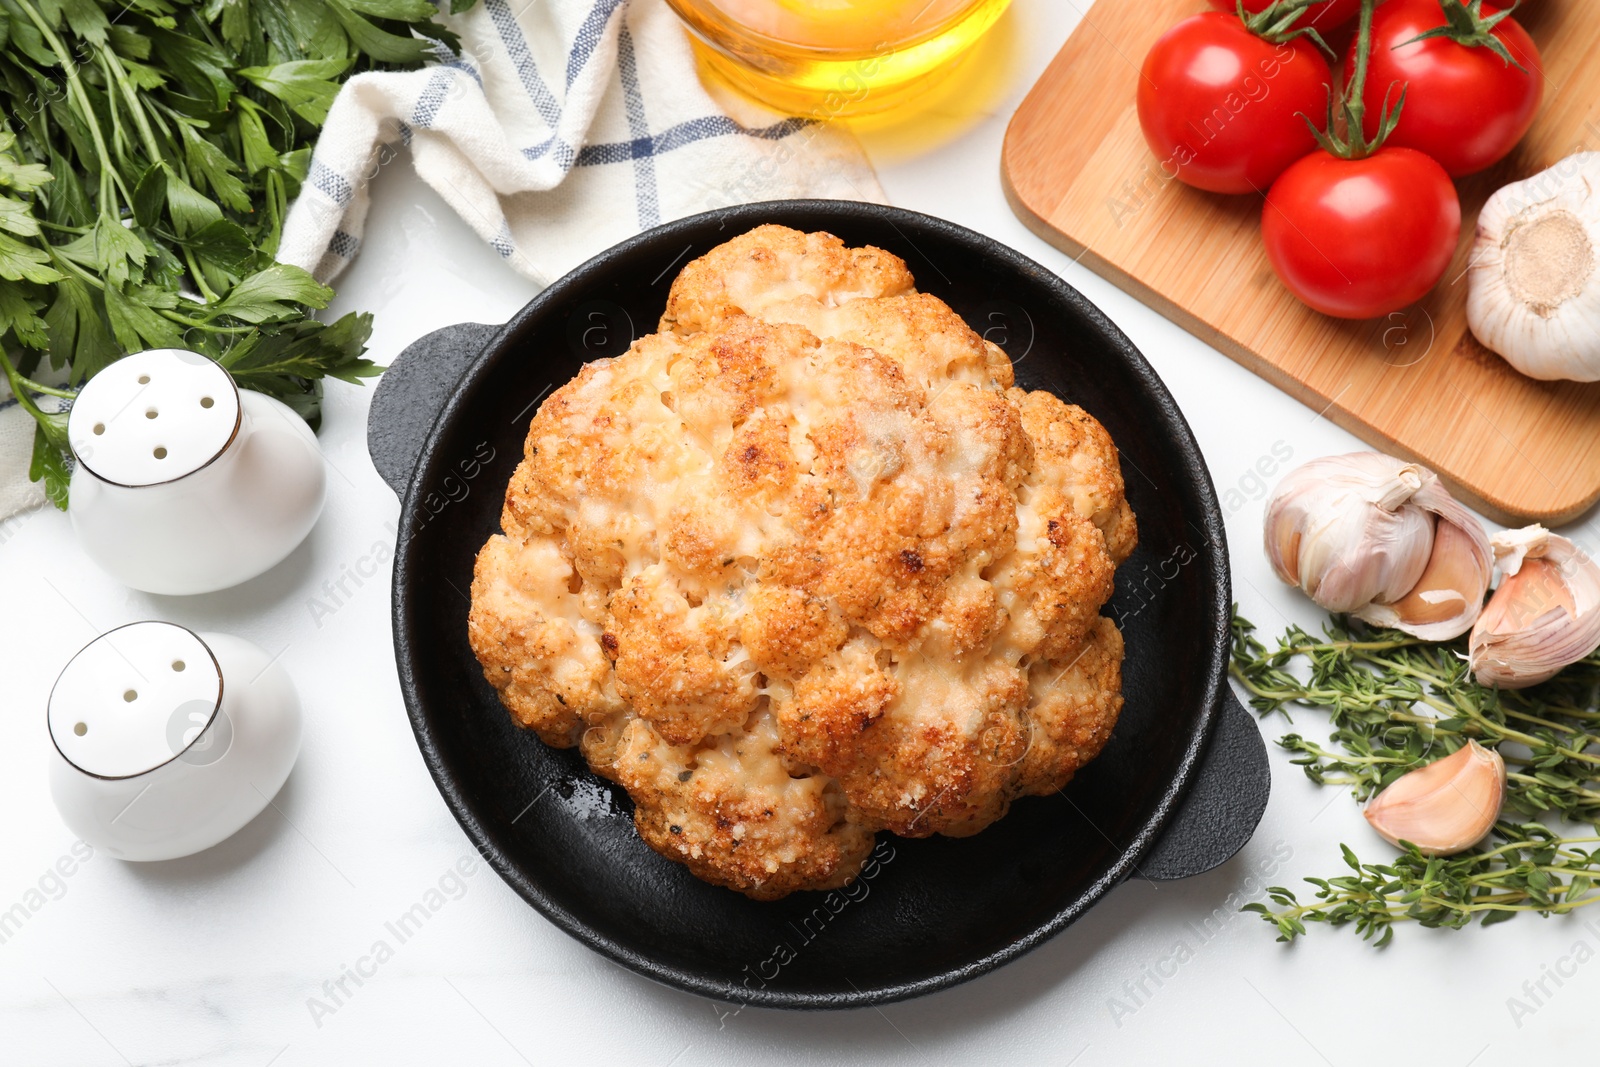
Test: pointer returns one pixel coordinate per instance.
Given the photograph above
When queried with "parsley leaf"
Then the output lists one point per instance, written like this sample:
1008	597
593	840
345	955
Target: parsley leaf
49	463
306	85
23	262
78	333
19	313
273	294
17	217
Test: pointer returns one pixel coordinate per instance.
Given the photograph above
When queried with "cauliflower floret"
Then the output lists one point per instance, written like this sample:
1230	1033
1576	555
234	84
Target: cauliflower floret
774	265
1080	463
804	566
731	811
1076	701
679	664
534	643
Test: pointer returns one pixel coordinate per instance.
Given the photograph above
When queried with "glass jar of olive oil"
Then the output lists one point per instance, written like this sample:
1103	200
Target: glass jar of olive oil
831	58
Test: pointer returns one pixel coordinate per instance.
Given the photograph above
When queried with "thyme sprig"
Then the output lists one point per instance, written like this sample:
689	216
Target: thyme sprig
1395	703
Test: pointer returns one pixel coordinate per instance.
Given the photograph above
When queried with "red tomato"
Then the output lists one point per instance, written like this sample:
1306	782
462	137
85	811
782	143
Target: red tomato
1465	107
1219	106
1364	237
1320	17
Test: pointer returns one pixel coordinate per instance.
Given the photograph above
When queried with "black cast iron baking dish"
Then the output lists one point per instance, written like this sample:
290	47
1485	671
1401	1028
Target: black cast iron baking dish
1178	790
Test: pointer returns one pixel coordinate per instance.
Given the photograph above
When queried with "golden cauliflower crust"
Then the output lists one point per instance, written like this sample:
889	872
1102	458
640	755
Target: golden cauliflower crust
805	565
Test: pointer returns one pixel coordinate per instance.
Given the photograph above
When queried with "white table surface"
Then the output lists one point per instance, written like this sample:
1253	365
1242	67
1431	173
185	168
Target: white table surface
215	959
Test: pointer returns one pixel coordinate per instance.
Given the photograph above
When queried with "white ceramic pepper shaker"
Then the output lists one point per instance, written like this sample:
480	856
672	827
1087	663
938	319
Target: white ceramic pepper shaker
167	741
186	483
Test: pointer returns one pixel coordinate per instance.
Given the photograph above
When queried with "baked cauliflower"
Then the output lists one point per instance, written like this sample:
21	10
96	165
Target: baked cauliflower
804	565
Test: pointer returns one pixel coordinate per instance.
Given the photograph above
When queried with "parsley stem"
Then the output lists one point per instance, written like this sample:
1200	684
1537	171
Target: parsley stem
47	390
199	276
108	173
16	381
201	324
167	313
117	74
64	262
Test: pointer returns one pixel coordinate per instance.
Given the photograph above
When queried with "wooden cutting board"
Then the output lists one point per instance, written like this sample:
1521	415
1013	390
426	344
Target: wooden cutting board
1417	384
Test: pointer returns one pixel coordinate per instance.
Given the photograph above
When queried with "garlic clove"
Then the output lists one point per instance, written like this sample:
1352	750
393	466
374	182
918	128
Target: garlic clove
1533	291
1443	808
1381	539
1544	616
1341	529
1441	597
1448	596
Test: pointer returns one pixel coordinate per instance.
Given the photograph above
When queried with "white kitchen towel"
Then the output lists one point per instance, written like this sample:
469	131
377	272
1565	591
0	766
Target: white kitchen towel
16	453
560	128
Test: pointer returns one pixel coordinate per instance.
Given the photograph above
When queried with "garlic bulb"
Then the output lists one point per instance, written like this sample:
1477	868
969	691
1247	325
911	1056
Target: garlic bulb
1544	616
1381	539
1533	292
1443	808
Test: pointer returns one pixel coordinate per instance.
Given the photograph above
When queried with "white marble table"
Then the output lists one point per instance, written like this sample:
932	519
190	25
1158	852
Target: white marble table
222	958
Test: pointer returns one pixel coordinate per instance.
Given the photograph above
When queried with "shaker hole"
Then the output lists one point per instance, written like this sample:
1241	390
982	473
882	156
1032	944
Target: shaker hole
81	729
152	413
99	428
144	379
161	452
131	695
206	401
178	665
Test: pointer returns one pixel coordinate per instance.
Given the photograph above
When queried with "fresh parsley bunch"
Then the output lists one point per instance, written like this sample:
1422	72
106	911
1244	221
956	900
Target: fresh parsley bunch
148	152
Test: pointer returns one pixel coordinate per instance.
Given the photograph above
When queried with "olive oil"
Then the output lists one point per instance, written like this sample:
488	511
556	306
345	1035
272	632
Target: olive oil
833	58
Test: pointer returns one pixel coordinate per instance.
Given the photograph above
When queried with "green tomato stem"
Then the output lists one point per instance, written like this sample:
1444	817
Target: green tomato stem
1355	104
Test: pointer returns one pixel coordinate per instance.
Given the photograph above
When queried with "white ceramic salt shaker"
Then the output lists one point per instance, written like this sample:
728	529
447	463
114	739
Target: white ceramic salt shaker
167	741
186	483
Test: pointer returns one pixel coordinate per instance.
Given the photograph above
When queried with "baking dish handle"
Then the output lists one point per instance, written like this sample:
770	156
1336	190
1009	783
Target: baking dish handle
413	391
1224	804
